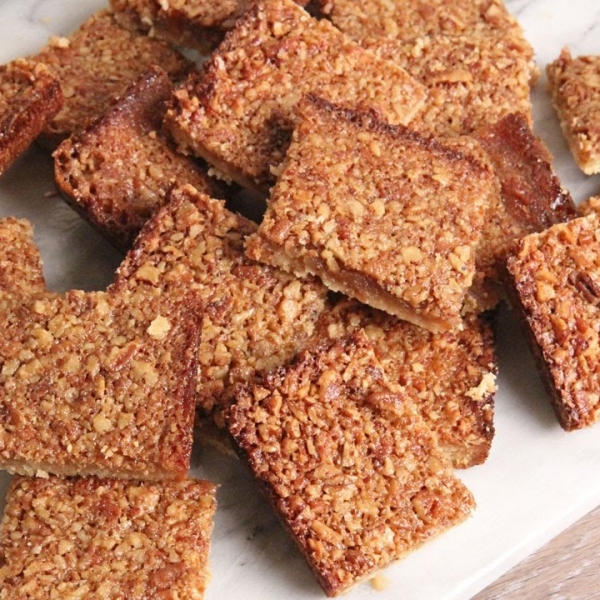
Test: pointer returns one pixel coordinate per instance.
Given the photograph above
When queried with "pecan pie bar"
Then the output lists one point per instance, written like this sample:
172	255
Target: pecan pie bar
105	538
118	171
20	262
574	84
30	96
371	19
97	63
553	281
346	462
98	383
472	56
378	212
451	377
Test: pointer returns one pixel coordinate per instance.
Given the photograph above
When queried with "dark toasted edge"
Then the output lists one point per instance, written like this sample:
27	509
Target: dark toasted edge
532	164
145	102
568	417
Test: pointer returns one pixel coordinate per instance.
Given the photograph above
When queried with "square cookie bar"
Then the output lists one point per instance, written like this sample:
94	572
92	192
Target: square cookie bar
450	376
379	213
472	56
472	79
105	538
574	84
238	112
346	461
370	19
553	280
118	172
98	383
97	63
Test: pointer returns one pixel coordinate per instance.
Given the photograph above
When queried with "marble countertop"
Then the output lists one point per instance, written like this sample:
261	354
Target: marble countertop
538	479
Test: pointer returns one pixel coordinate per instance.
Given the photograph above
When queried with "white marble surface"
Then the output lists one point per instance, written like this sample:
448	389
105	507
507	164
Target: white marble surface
537	480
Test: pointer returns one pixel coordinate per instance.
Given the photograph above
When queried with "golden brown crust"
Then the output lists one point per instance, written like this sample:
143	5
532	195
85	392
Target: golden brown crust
574	85
472	56
105	538
118	172
346	461
552	280
98	383
451	377
413	18
20	261
30	96
96	64
472	79
238	113
255	316
405	241
199	24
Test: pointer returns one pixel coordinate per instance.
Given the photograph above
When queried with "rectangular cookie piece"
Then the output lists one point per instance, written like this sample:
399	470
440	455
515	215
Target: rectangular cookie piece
118	172
98	383
238	112
346	462
21	271
105	538
254	316
379	213
30	96
574	84
553	283
451	377
198	24
97	63
472	79
473	57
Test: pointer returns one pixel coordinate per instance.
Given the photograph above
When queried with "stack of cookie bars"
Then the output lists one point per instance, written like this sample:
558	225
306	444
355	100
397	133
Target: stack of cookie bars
319	218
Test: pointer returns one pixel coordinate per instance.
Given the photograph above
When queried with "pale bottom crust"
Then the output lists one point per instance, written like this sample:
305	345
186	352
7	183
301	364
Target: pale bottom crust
352	283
